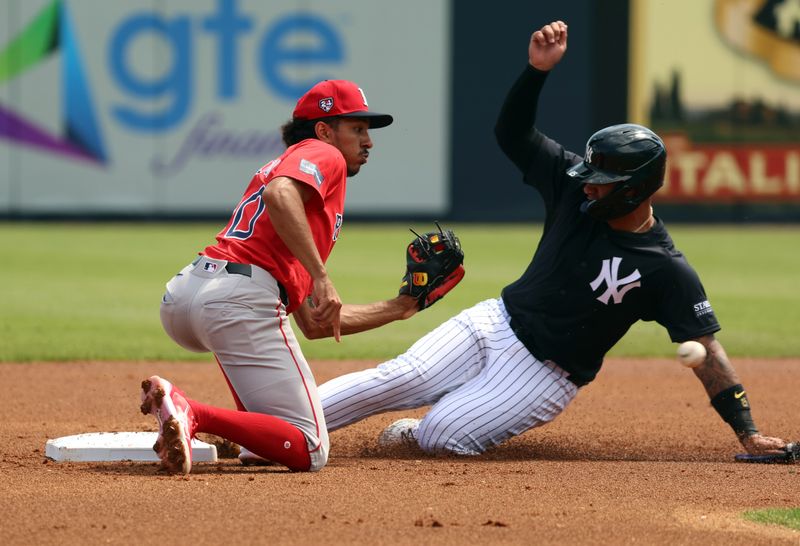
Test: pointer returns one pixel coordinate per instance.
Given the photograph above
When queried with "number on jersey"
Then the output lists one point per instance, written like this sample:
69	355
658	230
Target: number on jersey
245	216
251	207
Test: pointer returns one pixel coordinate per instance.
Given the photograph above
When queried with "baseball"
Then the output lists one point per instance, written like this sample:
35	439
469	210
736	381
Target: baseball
691	353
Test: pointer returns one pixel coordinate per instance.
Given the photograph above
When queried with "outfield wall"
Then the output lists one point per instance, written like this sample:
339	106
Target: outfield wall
165	108
169	107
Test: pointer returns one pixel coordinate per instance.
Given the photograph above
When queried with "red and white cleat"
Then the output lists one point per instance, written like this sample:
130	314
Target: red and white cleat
175	419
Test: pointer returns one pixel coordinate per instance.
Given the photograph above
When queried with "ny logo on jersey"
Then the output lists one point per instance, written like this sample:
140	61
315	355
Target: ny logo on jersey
616	288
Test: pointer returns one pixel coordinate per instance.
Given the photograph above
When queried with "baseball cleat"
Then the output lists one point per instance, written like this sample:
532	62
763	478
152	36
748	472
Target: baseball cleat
401	432
175	418
248	458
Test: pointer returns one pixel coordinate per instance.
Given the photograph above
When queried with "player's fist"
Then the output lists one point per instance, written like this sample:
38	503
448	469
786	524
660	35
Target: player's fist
548	45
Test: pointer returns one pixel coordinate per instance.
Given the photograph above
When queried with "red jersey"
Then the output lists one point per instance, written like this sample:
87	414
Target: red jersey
250	237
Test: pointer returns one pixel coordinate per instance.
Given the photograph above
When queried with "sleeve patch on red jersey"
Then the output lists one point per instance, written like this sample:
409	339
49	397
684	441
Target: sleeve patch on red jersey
266	169
308	167
337	227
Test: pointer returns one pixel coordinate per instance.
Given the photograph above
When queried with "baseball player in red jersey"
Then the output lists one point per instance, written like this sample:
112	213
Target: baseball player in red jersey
269	262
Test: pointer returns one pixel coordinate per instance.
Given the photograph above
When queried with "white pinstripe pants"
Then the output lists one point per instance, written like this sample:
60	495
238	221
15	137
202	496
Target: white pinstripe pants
483	384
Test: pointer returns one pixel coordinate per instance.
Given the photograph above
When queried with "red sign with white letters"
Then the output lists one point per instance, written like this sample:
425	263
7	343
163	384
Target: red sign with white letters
726	173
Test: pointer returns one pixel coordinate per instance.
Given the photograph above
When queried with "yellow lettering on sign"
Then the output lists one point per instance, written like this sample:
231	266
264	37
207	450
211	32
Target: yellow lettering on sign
724	174
762	183
793	173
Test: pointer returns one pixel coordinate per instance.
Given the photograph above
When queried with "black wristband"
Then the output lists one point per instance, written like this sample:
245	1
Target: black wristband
734	408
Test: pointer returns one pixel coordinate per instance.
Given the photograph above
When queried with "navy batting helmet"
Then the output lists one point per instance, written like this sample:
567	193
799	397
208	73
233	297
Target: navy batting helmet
630	155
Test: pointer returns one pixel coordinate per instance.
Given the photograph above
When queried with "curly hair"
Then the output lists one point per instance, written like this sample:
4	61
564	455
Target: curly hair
296	130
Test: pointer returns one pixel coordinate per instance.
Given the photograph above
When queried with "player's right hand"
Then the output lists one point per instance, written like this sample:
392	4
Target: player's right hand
757	444
327	306
547	46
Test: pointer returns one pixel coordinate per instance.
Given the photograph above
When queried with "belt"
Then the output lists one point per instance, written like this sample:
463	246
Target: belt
239	269
232	267
247	271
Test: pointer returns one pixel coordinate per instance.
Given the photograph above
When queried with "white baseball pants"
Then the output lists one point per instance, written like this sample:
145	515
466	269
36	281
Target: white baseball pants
242	320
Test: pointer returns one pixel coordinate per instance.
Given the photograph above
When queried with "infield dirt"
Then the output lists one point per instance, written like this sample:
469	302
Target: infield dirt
639	457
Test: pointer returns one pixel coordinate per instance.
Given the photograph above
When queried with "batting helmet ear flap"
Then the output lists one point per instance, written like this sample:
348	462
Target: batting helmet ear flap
633	157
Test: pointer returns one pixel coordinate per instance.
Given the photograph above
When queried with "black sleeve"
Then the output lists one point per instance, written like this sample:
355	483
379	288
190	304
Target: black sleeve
514	130
683	308
542	160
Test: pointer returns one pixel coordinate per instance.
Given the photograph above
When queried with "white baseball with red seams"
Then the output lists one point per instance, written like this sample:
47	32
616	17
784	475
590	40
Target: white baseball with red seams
691	353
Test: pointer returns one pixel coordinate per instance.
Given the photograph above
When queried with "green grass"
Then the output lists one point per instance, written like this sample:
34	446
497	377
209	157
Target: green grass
787	517
91	291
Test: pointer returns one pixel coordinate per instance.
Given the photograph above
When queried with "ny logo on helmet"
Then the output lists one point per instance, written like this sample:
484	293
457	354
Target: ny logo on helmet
616	288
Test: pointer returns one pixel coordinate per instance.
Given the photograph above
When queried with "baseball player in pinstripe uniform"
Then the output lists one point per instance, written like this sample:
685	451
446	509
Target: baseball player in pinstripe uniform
268	262
604	262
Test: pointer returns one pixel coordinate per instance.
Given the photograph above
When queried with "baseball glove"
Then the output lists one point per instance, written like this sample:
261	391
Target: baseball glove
434	265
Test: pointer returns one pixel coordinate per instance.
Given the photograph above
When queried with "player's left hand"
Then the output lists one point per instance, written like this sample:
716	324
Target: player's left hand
757	444
547	46
434	266
407	305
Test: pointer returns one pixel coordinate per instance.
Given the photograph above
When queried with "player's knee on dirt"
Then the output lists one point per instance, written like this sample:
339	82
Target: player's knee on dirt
297	451
318	462
319	457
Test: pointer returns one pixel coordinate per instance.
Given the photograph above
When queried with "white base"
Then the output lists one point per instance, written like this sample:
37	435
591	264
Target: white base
117	446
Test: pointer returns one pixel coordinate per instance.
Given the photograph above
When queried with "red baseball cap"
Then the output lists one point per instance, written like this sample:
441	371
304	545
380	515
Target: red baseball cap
340	98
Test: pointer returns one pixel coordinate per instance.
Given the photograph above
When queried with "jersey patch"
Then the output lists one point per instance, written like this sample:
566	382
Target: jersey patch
245	216
702	308
337	227
311	168
266	169
616	288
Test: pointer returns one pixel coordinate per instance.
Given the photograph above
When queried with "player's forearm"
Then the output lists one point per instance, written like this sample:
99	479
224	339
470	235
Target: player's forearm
716	372
729	399
288	217
728	396
361	317
518	114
